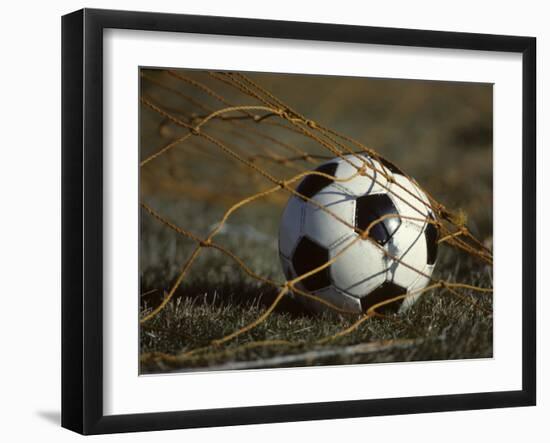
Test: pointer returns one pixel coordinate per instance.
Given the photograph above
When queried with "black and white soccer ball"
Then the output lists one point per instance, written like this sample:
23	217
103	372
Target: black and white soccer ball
372	270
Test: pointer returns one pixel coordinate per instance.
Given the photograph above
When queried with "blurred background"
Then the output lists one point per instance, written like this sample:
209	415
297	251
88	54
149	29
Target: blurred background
438	132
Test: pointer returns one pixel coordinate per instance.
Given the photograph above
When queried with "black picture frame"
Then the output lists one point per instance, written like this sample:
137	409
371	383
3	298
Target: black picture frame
82	220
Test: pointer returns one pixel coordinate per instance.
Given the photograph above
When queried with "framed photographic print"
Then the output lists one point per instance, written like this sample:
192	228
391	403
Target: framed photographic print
270	221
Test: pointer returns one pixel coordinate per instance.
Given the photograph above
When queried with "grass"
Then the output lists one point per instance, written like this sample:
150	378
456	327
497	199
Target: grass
439	132
446	328
218	298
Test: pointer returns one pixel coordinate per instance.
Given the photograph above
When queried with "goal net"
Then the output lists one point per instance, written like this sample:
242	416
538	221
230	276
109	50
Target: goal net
221	154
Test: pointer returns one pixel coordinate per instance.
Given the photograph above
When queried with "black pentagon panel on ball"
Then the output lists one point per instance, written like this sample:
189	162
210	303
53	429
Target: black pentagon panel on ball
370	208
313	183
432	234
389	165
385	291
308	256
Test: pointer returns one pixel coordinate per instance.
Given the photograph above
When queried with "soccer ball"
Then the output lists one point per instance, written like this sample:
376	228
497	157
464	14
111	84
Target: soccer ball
398	256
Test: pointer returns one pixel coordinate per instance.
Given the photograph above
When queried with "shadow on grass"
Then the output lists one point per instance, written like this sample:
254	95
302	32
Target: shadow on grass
237	294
